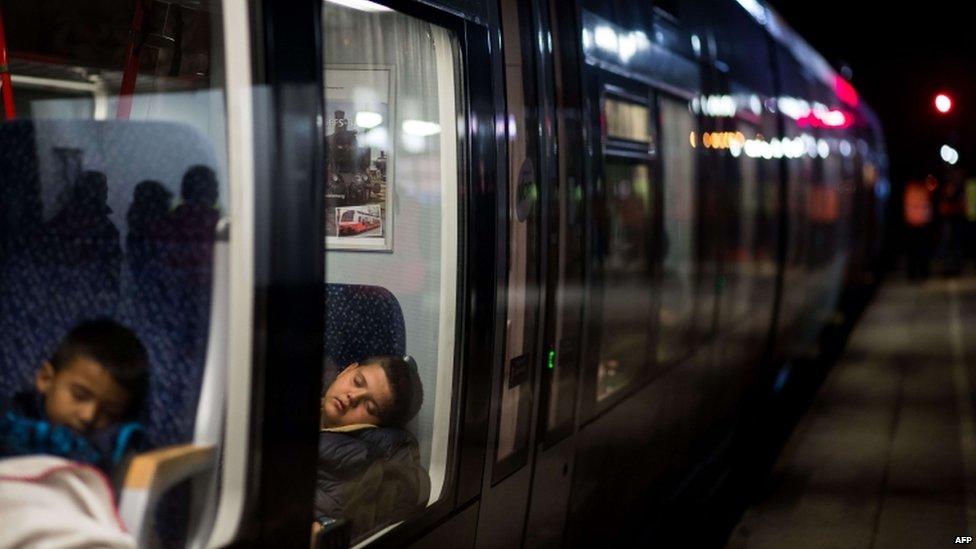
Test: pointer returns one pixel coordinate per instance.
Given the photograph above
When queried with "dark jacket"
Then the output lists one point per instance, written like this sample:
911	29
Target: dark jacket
370	476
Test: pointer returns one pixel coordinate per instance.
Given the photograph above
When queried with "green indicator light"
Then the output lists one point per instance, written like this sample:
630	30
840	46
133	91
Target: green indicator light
552	359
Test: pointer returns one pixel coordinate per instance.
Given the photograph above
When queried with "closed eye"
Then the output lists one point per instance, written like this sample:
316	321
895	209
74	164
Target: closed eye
80	393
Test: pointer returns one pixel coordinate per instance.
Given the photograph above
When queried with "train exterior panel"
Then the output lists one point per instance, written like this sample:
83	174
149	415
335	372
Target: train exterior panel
608	233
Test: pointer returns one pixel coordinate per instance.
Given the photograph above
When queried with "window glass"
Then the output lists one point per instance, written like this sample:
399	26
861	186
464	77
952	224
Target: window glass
114	180
826	223
816	211
749	268
392	159
627	120
680	181
743	206
626	276
767	227
799	174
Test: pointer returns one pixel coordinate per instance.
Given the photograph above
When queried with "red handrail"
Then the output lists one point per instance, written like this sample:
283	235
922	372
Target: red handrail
6	86
131	64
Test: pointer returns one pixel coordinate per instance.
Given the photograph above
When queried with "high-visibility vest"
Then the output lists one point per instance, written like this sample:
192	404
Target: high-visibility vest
971	199
918	205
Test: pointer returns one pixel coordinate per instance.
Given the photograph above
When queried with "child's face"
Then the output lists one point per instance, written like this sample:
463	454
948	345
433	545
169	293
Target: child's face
358	395
82	396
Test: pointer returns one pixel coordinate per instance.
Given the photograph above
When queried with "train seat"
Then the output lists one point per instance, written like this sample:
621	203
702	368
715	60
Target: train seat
362	321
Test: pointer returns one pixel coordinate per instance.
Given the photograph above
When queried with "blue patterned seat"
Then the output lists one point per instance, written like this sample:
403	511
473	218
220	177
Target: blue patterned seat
362	321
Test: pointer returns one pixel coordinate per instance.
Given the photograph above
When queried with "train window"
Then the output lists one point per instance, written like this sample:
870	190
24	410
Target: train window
849	182
816	212
625	330
827	225
737	309
392	158
796	93
799	174
749	262
679	140
767	224
119	218
627	120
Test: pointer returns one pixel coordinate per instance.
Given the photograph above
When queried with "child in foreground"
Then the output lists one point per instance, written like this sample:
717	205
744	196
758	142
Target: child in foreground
85	399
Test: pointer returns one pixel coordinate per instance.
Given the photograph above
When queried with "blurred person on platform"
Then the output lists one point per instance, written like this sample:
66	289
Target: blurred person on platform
918	221
969	229
952	217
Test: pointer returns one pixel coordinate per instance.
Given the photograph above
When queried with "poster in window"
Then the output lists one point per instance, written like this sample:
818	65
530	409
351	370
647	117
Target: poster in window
359	158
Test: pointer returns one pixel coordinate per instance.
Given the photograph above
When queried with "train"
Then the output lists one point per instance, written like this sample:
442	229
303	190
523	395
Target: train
353	222
609	230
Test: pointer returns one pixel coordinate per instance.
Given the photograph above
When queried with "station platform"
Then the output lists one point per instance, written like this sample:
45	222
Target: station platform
886	455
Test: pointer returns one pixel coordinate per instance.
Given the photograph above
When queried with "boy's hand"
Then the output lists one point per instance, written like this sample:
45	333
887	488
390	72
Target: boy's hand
316	528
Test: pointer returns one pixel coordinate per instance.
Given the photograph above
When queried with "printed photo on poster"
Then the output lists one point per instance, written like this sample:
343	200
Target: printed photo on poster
358	174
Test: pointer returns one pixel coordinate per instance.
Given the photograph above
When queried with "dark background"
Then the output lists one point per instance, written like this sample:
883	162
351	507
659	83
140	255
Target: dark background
901	57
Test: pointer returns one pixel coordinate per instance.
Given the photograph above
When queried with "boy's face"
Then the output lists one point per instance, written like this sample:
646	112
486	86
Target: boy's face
358	395
82	396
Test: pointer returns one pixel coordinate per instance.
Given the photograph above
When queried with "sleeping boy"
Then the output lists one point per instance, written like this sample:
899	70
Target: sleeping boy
84	401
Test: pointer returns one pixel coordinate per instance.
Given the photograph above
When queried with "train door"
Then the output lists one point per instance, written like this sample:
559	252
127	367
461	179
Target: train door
555	443
526	358
620	425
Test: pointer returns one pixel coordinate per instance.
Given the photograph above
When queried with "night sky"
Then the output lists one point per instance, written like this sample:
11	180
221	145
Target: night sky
901	57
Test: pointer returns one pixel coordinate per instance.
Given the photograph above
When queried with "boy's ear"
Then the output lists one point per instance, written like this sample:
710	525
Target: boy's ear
44	378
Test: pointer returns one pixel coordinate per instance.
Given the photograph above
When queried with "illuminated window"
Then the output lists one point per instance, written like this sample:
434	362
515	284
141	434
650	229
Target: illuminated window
391	215
627	120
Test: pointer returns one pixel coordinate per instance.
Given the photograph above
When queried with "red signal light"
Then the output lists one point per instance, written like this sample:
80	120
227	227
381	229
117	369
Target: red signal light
943	103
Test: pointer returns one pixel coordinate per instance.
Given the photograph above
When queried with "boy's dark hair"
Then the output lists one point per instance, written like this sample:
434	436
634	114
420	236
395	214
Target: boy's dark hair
408	391
115	348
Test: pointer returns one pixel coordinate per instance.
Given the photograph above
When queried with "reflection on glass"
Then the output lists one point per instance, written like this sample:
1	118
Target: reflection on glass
800	172
742	216
104	217
680	180
626	277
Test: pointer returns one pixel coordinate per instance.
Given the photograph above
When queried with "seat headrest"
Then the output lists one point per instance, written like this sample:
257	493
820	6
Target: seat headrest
362	321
